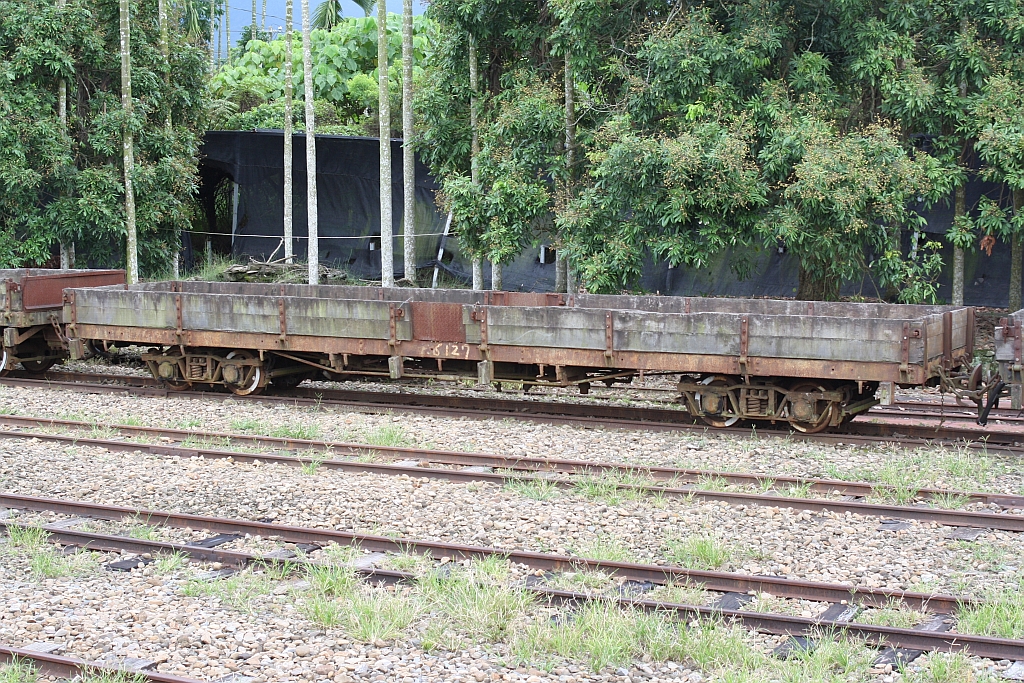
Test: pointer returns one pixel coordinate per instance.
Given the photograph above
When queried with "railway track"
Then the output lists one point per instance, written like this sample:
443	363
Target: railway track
70	668
664	481
551	412
845	601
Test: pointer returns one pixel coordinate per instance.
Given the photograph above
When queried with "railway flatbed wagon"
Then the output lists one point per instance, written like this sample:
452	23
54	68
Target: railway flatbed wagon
812	365
32	309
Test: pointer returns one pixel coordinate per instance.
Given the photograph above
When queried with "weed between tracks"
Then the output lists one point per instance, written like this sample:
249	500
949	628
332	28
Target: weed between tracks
999	613
18	671
894	613
45	561
698	552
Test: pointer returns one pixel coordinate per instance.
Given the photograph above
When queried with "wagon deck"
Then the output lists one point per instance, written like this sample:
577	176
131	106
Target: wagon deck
738	358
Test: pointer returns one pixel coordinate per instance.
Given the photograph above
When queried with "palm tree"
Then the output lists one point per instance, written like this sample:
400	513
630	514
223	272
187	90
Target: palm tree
366	6
328	14
288	94
408	156
131	246
474	150
67	249
387	257
313	250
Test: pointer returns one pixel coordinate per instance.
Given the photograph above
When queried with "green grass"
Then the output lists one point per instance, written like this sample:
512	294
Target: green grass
601	488
168	564
797	491
948	501
312	466
983	553
388	435
585	581
247	425
894	613
144	532
712	483
27	538
18	671
940	667
999	613
240	591
188	423
103	676
605	548
409	562
681	595
538	489
476	601
46	563
308	432
698	552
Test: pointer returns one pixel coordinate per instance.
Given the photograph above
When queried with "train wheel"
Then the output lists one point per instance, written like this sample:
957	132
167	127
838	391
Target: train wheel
814	416
176	385
38	367
710	403
4	362
251	381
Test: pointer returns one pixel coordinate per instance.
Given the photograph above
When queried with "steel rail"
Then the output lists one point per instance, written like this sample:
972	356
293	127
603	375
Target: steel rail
954	518
564	413
70	668
776	624
716	581
673	475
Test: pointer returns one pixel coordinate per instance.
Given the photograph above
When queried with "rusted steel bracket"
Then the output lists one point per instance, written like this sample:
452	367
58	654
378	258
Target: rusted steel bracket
480	315
686	304
905	353
69	300
394	313
609	338
810	308
947	340
744	344
970	333
283	321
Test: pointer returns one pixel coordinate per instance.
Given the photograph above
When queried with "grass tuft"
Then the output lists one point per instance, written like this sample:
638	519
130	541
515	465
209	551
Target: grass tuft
240	591
698	552
894	614
605	548
538	489
1000	614
18	671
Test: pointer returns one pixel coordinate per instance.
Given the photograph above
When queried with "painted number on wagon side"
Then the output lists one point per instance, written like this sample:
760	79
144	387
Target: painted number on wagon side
448	350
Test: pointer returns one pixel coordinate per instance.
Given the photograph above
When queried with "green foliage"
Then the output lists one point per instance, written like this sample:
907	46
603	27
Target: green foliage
68	185
703	126
344	77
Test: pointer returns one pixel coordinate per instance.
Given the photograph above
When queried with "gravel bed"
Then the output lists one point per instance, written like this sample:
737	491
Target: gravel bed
759	540
257	624
952	468
825	547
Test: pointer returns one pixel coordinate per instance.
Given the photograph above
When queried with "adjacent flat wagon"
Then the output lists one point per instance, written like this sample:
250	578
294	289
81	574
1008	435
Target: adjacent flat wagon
812	365
32	309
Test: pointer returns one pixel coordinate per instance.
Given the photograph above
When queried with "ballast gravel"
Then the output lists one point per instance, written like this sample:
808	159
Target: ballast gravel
779	540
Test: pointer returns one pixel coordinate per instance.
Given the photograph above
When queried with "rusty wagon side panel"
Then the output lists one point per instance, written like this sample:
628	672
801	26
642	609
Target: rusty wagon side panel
866	342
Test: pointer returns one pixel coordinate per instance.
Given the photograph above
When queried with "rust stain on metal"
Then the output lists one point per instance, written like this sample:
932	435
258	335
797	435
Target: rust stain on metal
40	292
437	322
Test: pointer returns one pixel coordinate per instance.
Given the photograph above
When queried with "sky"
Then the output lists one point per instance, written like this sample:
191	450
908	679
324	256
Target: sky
241	12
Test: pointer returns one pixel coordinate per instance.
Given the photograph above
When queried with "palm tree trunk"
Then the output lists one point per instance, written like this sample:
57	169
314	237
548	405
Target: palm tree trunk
131	245
227	31
313	250
263	17
1016	254
408	156
561	264
252	32
959	209
474	151
67	250
289	94
165	49
213	58
496	276
387	256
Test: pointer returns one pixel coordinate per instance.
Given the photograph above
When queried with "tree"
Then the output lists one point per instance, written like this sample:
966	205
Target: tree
313	248
289	199
132	248
387	258
408	155
328	15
